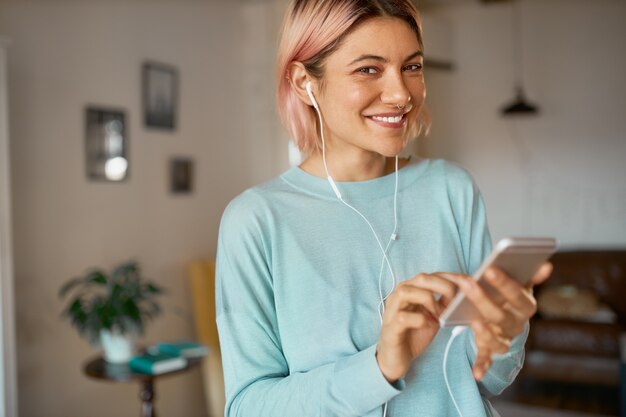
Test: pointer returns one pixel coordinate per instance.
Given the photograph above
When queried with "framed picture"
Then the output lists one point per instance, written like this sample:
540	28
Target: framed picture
160	95
106	144
181	175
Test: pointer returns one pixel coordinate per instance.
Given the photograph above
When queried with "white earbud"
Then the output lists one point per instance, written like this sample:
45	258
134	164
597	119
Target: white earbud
319	114
310	93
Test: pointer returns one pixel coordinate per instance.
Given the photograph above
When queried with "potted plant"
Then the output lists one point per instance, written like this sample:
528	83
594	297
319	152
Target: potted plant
111	309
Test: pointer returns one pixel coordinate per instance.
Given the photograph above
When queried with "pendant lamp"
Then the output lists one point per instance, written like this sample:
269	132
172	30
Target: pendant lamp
519	105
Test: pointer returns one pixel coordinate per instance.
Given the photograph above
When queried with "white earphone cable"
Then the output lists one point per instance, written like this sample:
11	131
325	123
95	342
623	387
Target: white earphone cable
381	304
383	298
340	197
455	332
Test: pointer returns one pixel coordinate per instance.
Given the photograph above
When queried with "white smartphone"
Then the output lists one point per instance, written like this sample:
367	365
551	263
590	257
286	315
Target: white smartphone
520	258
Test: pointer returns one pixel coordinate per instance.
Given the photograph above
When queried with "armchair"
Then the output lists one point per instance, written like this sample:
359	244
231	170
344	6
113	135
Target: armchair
202	284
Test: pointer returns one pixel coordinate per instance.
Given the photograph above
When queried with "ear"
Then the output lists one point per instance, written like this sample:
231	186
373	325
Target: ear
298	78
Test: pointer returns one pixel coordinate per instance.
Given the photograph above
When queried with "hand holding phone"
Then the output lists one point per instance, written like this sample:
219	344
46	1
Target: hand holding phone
519	258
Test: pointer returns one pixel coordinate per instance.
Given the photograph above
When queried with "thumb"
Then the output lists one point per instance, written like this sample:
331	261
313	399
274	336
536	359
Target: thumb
543	273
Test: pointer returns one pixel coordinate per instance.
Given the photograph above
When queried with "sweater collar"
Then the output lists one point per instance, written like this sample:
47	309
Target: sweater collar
356	190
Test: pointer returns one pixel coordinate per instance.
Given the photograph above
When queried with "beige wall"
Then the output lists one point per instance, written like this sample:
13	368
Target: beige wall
67	54
8	366
561	173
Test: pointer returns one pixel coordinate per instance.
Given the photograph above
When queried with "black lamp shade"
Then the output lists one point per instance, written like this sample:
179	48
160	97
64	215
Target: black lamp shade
520	106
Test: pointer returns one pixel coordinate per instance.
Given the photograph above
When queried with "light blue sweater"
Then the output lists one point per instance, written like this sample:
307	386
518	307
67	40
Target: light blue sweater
297	295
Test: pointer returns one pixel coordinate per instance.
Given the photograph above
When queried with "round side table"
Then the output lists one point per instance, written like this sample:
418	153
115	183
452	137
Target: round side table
100	369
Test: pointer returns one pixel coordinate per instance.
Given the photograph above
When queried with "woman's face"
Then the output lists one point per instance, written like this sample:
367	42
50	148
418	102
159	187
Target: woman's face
374	73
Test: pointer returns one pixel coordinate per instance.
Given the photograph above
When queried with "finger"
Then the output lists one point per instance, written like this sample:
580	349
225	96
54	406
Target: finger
489	310
455	278
435	283
488	338
450	276
482	362
487	343
414	319
521	301
396	325
542	274
410	297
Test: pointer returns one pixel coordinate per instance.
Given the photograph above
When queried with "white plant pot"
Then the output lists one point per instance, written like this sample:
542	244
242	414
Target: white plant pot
118	348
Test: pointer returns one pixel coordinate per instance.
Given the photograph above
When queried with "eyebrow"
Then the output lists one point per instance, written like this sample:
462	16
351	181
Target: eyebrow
382	59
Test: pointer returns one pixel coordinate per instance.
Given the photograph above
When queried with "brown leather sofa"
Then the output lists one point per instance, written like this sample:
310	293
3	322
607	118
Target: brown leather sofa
574	338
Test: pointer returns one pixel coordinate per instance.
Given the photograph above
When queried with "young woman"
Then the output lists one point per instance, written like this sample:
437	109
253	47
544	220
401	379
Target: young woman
328	294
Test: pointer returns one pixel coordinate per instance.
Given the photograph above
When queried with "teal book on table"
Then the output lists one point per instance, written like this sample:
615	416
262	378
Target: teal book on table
155	364
185	349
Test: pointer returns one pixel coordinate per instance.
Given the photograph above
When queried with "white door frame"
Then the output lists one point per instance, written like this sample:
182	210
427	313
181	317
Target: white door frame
8	363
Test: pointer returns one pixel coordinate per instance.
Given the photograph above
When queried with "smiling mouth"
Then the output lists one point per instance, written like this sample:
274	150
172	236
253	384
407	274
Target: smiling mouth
389	120
392	119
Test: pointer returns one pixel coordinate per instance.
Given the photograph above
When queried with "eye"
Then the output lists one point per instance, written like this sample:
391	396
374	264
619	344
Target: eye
367	70
413	67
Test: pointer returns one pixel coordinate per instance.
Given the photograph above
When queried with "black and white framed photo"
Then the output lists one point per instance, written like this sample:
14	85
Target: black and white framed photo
181	175
106	144
160	95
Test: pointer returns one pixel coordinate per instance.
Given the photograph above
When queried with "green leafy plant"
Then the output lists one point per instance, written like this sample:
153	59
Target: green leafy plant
121	302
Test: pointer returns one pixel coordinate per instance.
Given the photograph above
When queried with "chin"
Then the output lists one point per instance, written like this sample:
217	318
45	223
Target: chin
393	148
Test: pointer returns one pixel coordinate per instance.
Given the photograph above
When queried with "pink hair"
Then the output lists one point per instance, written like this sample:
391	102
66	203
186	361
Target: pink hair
314	29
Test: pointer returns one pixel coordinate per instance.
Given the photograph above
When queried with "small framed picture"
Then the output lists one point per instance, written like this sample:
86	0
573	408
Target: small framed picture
160	95
181	175
106	144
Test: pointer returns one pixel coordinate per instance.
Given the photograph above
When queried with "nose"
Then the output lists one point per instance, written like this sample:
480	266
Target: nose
395	92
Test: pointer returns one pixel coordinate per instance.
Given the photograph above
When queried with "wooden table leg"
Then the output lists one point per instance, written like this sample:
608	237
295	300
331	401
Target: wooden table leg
622	374
147	397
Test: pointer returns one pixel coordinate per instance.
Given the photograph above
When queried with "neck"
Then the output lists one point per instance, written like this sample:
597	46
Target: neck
352	169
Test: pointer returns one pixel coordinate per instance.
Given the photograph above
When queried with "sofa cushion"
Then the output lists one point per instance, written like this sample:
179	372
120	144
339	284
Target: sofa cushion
573	302
575	337
601	271
549	366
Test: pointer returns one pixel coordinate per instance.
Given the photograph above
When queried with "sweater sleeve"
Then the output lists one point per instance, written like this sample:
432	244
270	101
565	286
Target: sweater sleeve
257	377
477	245
505	367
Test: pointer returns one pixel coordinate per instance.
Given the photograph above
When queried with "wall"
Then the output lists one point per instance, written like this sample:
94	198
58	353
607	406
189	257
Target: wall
8	368
267	140
561	173
68	54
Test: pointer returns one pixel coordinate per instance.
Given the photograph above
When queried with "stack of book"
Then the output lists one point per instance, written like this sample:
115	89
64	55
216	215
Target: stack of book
166	357
188	350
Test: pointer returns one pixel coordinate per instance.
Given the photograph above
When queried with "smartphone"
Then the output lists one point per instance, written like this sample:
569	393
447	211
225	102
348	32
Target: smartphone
519	257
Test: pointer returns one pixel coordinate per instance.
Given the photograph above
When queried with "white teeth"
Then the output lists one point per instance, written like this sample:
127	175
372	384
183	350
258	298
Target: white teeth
395	119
